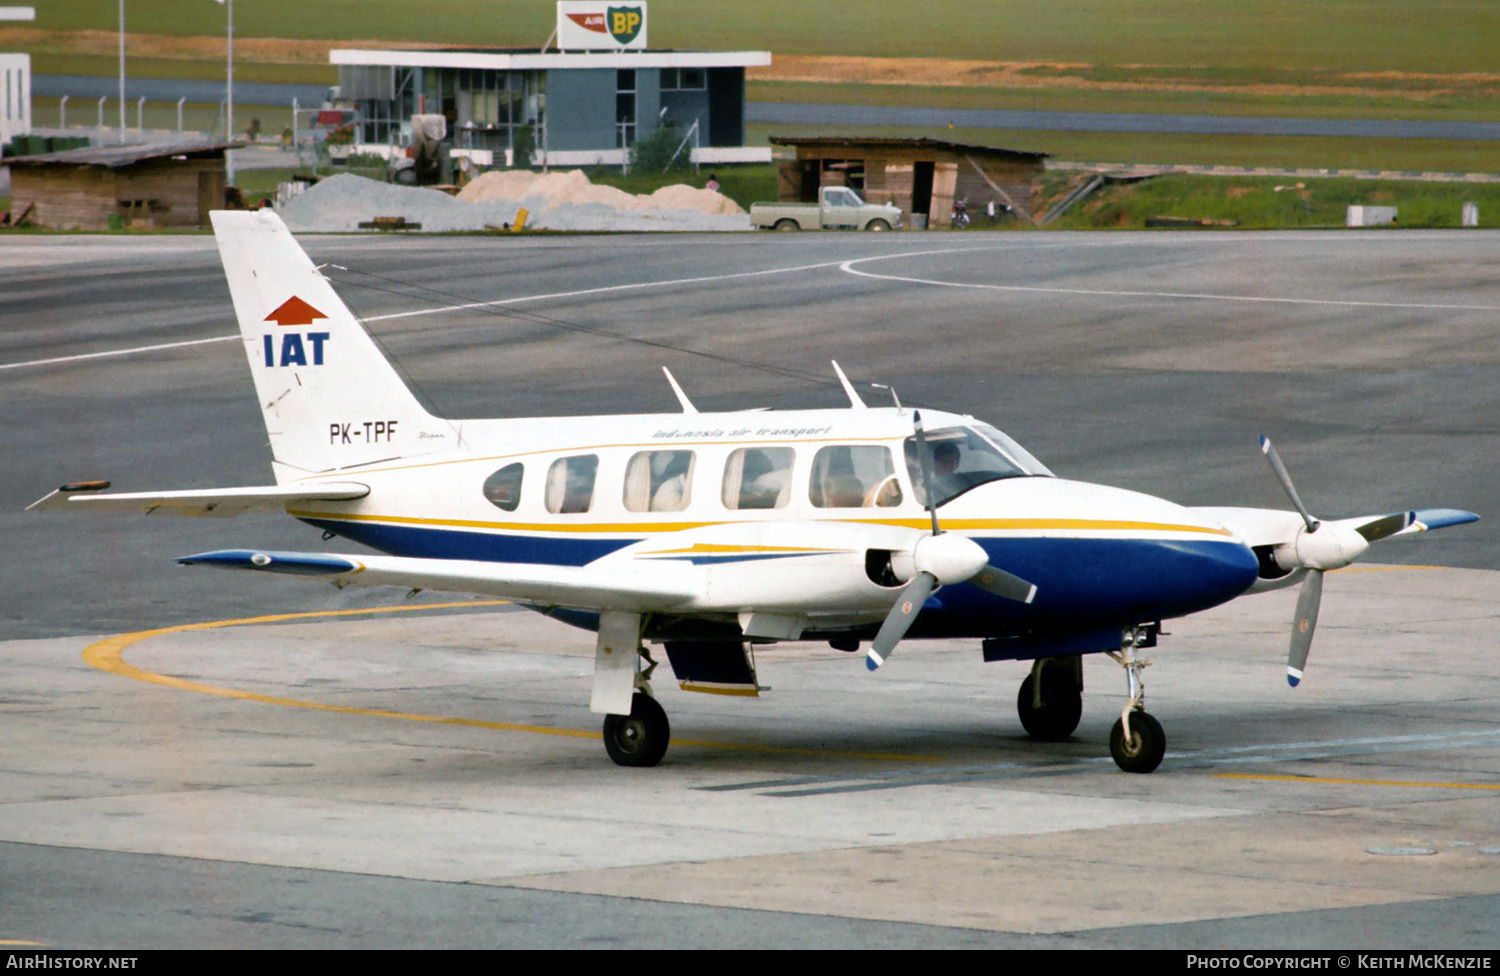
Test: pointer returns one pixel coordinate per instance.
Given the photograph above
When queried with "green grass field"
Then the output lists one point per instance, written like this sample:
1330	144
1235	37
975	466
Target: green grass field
1260	35
1260	203
1302	58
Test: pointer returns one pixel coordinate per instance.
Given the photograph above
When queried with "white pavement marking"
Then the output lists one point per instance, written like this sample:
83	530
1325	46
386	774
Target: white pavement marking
607	288
434	311
845	266
116	352
848	267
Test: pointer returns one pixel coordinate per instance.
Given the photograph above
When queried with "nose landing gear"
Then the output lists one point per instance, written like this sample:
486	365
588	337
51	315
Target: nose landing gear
1136	742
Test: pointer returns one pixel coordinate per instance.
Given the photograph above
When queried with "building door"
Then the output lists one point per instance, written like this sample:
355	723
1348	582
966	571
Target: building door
625	108
921	188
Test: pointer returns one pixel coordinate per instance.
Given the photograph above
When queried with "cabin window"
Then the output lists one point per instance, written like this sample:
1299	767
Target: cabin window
758	477
503	488
962	458
570	483
659	481
854	477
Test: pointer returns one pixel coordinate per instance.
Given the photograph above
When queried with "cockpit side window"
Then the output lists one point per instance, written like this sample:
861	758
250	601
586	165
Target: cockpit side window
854	476
659	481
570	483
503	488
758	477
962	459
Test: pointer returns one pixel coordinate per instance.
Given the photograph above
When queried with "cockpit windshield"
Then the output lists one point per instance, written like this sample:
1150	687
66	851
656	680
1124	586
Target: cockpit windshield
964	457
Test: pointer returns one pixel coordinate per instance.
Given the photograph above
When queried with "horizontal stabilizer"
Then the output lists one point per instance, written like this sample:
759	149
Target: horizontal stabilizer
194	502
660	586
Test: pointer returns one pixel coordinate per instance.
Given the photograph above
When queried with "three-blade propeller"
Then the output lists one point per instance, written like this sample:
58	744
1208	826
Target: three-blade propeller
939	559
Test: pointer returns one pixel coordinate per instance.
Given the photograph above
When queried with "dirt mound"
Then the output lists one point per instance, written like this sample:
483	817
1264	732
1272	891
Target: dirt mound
574	187
555	201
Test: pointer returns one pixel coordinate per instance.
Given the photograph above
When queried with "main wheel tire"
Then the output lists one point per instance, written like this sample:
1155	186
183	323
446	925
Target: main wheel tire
1147	745
640	738
878	225
787	224
1062	706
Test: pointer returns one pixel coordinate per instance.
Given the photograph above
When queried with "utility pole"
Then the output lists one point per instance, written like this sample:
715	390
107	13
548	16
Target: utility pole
122	70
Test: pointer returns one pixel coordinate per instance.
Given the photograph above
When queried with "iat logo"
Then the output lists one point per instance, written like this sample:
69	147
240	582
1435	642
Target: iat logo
294	348
625	22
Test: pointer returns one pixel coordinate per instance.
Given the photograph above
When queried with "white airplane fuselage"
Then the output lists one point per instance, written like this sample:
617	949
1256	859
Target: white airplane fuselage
1100	557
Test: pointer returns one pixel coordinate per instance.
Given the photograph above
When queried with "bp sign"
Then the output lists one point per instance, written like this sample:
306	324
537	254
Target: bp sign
625	23
594	26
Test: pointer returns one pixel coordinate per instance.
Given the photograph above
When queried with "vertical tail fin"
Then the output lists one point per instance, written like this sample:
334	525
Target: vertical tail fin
330	397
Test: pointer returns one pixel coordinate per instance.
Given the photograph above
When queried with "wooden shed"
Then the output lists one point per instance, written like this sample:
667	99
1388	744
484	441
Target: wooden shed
921	176
168	185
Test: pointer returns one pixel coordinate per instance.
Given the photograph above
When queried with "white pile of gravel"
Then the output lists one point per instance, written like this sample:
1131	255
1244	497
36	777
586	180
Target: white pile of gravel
558	201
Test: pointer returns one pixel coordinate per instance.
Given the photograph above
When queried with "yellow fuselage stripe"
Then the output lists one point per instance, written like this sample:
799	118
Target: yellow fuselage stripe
1004	525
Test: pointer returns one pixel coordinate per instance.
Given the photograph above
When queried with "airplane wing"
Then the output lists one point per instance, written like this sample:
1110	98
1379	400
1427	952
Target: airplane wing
84	496
657	586
1264	526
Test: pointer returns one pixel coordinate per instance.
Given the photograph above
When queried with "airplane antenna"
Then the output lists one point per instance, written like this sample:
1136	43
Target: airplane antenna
892	389
687	405
855	403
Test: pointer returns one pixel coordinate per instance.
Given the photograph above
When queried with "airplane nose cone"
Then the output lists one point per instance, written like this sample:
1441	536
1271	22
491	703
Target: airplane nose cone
1105	554
1193	576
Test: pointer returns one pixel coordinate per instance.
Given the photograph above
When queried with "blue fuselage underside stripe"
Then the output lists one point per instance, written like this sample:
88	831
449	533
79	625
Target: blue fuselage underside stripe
1081	582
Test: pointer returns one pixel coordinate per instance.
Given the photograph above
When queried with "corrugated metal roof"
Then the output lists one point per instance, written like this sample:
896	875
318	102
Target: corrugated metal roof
117	156
921	142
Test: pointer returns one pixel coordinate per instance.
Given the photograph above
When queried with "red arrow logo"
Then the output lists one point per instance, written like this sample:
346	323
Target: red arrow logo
294	311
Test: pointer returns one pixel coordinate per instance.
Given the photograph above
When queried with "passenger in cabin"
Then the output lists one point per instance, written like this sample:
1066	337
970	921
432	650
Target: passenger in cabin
757	478
570	484
669	472
841	486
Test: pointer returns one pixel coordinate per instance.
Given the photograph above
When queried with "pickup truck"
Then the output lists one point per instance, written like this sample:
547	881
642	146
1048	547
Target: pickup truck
837	206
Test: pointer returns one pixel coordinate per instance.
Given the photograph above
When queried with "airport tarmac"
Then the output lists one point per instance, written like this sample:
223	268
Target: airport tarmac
425	777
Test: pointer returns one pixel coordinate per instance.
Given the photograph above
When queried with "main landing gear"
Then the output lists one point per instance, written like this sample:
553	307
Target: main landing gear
1050	702
640	738
636	731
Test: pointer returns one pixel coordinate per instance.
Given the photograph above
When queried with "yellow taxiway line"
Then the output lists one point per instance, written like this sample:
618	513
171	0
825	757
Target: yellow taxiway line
108	655
1359	782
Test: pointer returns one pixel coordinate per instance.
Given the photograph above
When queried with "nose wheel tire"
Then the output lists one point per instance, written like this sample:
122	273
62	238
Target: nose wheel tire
1061	705
640	738
1143	751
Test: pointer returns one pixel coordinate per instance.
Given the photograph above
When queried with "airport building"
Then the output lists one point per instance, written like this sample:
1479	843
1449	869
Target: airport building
582	99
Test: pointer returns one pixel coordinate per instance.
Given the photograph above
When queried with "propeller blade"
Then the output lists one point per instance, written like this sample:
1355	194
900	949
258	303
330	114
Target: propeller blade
1269	450
899	620
926	462
1303	625
1385	526
994	580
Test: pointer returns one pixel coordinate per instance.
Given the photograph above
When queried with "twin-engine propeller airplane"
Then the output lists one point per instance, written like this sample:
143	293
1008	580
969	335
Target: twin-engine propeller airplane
711	533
